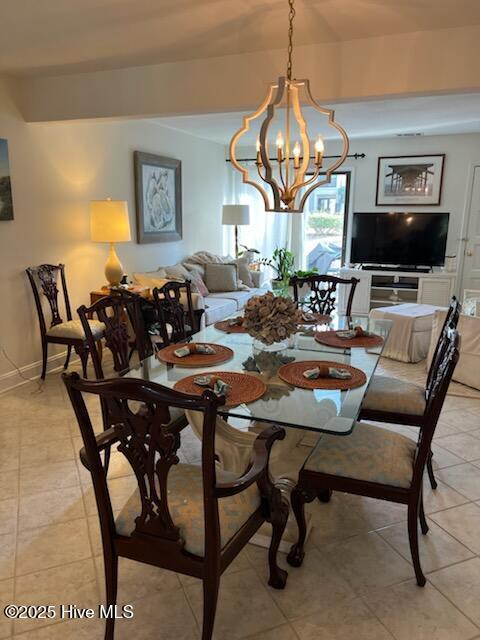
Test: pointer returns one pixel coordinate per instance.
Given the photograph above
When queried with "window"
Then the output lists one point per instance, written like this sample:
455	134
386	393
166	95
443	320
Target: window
326	212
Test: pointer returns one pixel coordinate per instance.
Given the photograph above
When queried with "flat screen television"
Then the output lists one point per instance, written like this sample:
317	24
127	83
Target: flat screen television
404	239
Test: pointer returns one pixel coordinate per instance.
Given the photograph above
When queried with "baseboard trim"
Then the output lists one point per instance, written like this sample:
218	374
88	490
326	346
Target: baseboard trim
11	379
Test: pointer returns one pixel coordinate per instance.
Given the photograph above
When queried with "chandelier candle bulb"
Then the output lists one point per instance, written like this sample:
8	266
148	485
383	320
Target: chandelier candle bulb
296	155
259	156
279	142
319	151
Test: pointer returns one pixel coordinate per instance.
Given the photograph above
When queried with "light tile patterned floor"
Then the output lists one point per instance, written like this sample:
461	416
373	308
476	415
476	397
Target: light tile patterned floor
356	582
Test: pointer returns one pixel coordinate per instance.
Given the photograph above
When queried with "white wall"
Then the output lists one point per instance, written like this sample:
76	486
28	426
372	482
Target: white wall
56	169
462	153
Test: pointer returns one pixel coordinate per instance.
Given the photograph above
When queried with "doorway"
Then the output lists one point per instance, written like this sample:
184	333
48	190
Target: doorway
471	261
325	226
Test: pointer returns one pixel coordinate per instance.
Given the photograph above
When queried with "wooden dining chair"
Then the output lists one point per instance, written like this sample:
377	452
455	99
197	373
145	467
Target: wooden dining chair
44	282
399	402
114	312
142	315
185	518
178	320
377	463
323	296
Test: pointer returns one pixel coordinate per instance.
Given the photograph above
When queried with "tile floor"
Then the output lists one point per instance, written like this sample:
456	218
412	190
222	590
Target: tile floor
356	582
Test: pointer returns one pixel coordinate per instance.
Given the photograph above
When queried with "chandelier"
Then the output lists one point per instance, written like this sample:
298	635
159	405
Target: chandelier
287	179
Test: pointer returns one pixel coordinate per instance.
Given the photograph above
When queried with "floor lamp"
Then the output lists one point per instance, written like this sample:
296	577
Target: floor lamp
236	215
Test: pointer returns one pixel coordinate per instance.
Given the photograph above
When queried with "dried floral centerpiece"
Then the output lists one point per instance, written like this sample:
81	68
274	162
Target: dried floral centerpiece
271	320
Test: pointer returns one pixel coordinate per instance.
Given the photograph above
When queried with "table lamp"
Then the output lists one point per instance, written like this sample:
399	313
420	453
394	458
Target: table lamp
238	215
109	222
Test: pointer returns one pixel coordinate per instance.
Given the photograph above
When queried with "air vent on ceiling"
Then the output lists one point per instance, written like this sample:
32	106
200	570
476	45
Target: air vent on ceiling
414	134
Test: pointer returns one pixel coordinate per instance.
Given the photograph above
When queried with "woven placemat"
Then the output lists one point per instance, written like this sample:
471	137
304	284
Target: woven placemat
320	318
244	388
331	339
222	354
229	328
293	374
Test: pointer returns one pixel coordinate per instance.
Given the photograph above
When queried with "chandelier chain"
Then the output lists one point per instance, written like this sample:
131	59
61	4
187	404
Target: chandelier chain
291	17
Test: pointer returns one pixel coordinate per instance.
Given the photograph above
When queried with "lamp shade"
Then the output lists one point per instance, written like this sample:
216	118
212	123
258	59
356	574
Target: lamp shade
109	221
238	214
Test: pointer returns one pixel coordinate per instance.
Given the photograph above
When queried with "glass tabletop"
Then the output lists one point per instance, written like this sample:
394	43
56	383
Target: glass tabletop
319	410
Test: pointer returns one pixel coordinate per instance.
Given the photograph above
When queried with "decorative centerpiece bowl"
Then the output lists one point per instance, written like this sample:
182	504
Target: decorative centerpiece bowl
270	320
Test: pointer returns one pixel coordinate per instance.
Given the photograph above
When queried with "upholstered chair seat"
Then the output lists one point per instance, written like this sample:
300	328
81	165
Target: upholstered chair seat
394	396
73	329
370	453
185	501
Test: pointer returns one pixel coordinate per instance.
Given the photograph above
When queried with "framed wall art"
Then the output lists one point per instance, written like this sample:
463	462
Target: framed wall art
410	180
6	200
158	196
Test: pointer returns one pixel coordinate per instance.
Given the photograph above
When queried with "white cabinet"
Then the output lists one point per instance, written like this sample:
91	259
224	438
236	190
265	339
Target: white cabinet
436	291
361	299
378	288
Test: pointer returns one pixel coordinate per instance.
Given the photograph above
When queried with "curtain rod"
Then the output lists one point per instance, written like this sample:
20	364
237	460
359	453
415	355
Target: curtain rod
355	156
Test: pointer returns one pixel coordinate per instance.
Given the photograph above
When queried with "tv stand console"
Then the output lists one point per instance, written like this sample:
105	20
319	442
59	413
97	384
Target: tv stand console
377	267
383	287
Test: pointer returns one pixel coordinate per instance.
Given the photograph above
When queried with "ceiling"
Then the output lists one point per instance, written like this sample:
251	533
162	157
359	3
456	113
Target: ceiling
66	36
433	115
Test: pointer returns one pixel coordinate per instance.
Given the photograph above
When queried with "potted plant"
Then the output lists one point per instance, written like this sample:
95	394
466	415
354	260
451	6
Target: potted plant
282	262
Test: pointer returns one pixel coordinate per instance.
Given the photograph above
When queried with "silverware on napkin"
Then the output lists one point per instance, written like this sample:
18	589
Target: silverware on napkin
326	372
219	387
187	349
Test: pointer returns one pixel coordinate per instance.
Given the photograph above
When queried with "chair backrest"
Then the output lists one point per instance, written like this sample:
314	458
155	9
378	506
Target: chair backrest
451	321
172	312
323	292
141	313
440	380
44	280
114	312
141	416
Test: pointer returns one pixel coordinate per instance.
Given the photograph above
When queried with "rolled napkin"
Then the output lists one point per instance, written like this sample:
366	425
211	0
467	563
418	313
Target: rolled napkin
356	332
187	349
308	317
235	322
323	371
219	387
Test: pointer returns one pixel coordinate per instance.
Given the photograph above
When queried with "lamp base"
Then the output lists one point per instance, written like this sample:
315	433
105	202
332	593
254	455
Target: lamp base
113	268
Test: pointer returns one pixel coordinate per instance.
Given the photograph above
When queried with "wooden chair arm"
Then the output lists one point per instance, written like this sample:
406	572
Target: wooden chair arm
104	441
258	467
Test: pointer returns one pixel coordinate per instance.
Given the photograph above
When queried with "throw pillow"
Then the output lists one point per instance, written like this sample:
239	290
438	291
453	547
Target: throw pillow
193	266
221	277
151	279
198	285
244	271
176	272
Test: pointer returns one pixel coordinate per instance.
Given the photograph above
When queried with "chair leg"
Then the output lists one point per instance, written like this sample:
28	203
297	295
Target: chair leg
69	353
298	499
211	585
324	495
278	519
44	359
421	514
111	583
413	510
431	475
82	353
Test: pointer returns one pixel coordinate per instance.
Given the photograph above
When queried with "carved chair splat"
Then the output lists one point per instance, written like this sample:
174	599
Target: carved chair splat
323	292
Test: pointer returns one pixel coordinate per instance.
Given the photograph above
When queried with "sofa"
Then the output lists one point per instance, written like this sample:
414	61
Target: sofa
241	284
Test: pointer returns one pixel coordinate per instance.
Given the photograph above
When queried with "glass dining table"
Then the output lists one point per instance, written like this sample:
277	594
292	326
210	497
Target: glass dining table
304	414
318	410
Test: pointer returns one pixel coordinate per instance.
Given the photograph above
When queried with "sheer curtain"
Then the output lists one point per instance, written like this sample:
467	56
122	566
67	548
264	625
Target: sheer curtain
267	230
